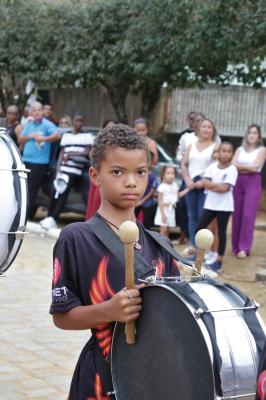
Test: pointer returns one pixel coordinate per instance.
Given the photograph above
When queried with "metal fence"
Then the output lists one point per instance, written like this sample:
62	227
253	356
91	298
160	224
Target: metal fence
231	108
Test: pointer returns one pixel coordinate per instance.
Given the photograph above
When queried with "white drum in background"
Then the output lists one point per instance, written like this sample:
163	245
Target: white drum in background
13	200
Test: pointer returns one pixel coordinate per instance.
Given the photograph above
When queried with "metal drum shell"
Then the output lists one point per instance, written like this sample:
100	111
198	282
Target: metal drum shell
13	200
236	343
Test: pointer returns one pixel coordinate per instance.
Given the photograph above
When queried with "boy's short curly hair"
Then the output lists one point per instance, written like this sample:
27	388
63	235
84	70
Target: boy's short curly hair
116	136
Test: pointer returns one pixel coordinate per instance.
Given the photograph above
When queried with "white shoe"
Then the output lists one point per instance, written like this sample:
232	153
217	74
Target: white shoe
210	257
205	270
48	223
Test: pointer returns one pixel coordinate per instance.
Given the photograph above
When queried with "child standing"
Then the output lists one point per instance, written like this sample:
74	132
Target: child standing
88	280
219	180
167	199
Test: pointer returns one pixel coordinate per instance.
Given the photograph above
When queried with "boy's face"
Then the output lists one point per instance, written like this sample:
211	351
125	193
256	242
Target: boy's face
122	177
225	153
47	111
78	123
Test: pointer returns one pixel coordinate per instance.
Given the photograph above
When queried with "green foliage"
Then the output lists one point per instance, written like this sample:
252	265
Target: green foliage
130	46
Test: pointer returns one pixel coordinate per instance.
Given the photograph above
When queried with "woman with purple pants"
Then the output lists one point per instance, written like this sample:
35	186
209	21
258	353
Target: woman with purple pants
248	159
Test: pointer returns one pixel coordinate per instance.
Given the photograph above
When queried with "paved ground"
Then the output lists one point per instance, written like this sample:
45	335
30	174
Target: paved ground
37	359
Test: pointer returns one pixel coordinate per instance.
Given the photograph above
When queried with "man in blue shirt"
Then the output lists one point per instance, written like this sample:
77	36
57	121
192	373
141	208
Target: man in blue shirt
36	139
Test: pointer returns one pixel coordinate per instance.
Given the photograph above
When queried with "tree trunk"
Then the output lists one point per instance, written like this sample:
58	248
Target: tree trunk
149	96
118	97
7	96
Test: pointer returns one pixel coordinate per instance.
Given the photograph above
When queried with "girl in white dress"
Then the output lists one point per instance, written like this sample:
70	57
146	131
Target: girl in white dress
167	199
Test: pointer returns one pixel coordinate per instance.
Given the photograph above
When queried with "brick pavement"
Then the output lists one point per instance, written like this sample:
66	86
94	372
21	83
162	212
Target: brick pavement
36	359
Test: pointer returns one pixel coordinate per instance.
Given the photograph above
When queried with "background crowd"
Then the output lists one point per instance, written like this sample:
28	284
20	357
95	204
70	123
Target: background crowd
209	181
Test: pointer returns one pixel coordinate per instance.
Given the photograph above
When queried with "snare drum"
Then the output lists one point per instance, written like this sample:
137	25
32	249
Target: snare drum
13	201
173	357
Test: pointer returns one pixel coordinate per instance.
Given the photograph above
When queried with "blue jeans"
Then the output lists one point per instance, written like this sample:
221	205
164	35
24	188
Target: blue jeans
195	201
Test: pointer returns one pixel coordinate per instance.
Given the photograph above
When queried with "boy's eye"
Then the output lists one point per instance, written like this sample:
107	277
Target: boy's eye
116	172
142	172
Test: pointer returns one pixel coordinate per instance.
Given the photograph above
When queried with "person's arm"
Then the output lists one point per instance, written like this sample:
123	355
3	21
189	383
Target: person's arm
184	169
60	158
255	166
54	137
119	308
215	187
18	130
180	148
154	150
182	193
160	205
148	196
25	138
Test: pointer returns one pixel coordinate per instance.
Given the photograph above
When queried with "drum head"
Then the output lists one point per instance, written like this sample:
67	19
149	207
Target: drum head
170	359
13	201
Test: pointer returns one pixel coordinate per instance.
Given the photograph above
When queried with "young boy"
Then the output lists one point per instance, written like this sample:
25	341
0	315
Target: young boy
88	280
219	180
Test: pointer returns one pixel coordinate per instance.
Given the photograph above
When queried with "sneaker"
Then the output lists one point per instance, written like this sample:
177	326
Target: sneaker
53	233
48	223
206	270
216	266
210	257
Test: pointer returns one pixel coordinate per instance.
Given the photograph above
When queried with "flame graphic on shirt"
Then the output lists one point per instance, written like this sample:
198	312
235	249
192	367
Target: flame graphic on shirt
160	268
101	291
56	271
98	390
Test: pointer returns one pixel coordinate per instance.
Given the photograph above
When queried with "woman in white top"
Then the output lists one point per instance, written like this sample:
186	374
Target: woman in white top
249	160
198	156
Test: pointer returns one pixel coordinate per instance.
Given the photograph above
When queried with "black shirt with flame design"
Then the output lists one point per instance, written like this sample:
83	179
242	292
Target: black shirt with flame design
85	273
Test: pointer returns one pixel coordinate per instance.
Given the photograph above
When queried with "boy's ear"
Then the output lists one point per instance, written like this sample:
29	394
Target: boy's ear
93	174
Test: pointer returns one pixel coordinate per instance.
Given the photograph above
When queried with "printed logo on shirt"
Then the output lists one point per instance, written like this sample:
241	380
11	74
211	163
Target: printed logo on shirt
56	271
224	177
60	294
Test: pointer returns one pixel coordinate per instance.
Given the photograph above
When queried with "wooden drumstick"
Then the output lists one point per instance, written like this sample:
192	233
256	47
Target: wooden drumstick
203	240
129	234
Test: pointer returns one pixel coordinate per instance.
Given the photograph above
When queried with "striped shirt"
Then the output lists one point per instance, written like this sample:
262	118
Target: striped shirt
75	143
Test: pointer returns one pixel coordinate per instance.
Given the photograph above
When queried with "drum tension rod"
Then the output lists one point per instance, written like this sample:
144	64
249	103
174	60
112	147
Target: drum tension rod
239	396
199	312
19	233
16	170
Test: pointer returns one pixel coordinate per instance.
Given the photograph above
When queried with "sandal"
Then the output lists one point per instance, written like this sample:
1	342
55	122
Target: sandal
241	254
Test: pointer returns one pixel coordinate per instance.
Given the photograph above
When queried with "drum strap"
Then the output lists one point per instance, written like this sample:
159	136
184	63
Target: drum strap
193	298
106	235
